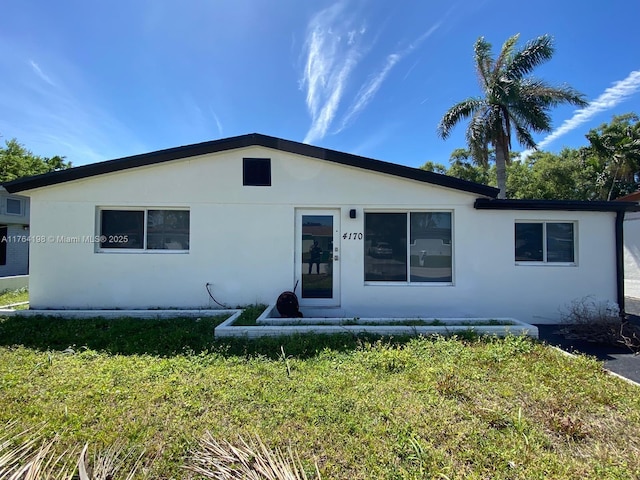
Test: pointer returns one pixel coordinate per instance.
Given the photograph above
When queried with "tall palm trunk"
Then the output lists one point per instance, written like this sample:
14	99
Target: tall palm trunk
501	169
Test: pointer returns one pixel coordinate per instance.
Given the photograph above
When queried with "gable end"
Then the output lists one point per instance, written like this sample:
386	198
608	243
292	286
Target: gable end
243	141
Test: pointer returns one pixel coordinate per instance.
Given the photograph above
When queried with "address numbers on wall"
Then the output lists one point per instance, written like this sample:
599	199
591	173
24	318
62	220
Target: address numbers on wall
352	236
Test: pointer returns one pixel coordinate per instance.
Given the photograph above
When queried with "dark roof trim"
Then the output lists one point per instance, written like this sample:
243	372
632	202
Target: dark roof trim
250	140
562	205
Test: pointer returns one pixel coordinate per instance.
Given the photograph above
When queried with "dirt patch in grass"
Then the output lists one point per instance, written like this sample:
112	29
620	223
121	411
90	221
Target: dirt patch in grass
616	333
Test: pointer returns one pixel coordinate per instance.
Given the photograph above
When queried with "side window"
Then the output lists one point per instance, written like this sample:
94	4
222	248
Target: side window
14	206
168	230
144	229
545	242
122	229
529	242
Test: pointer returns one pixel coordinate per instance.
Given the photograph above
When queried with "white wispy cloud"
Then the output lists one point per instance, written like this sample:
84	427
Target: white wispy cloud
57	112
610	98
333	49
371	87
218	123
40	73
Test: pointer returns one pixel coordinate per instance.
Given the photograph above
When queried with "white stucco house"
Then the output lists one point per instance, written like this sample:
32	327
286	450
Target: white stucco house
252	216
632	248
14	232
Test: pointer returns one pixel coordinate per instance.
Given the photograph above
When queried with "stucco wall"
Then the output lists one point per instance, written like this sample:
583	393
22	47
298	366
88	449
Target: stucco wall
632	254
242	242
17	252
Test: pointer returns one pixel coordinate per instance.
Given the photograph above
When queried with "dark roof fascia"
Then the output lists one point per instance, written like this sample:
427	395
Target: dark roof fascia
254	139
558	205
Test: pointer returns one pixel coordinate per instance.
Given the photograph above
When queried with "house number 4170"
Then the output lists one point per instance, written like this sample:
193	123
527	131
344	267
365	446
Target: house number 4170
352	236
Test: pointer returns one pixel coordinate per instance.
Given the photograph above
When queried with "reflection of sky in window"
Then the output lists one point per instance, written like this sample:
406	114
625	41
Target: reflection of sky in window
317	220
430	225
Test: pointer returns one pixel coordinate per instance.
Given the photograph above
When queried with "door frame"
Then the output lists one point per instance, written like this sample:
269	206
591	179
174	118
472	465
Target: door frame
335	255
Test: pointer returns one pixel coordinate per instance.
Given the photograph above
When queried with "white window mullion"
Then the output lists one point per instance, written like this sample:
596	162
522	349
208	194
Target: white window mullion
408	247
144	237
544	242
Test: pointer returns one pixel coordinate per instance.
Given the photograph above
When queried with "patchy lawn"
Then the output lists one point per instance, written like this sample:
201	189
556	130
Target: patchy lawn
16	296
360	408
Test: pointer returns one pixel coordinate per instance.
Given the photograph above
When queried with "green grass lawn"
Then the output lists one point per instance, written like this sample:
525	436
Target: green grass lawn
17	296
395	409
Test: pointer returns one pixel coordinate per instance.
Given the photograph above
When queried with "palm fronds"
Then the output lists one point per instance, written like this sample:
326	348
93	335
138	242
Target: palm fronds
27	455
511	100
245	461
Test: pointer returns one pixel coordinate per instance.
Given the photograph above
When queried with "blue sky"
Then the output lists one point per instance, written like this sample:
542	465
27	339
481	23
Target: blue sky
99	80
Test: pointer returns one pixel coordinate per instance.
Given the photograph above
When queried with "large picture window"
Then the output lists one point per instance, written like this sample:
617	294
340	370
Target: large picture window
144	229
545	242
412	247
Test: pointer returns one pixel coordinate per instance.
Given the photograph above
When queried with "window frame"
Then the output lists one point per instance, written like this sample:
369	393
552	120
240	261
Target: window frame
144	250
20	203
255	162
545	245
408	282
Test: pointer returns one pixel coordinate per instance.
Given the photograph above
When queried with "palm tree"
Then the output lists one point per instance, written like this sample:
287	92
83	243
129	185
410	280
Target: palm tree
617	145
512	101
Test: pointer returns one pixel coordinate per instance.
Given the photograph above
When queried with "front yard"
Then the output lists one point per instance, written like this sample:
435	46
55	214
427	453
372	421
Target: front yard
400	409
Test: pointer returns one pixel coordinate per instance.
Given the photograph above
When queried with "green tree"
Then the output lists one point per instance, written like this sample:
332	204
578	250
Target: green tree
434	167
462	165
545	175
512	101
614	149
16	161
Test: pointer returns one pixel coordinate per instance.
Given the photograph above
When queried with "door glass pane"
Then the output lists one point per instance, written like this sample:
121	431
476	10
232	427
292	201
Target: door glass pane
560	242
430	247
385	251
529	242
317	256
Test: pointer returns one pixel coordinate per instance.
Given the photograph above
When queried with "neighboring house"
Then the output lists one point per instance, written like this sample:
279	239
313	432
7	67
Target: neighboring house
631	248
239	216
14	234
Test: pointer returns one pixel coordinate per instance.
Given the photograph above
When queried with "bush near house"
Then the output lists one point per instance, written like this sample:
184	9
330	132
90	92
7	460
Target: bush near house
357	407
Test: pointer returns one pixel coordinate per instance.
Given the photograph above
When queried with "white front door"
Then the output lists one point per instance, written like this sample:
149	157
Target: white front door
317	257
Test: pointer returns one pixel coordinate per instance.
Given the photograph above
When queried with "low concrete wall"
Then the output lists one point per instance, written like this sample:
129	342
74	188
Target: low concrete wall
14	283
268	326
122	313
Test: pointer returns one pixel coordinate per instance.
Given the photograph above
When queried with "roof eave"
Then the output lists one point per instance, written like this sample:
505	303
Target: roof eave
243	141
558	205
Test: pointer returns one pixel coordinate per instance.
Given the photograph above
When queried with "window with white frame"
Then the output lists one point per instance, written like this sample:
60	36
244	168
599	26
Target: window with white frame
14	206
144	229
545	242
410	247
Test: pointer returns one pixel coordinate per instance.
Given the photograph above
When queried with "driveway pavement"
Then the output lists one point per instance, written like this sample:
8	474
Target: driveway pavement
619	360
